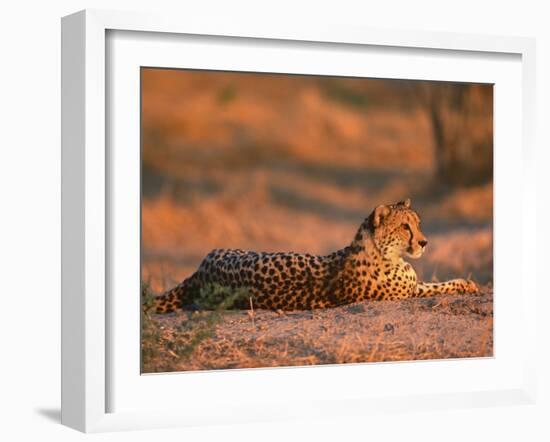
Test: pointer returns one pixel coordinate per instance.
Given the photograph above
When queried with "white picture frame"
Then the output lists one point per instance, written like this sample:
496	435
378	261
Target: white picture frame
89	322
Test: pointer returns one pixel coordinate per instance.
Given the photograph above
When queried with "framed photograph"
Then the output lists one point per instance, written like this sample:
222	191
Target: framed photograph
277	222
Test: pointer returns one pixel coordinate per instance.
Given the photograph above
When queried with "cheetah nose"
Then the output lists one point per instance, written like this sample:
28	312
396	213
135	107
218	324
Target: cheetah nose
423	243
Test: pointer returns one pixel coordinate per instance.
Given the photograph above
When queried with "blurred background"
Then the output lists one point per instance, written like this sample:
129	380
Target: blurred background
295	163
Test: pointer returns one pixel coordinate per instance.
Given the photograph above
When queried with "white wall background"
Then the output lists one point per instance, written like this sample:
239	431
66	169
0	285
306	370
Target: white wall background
30	215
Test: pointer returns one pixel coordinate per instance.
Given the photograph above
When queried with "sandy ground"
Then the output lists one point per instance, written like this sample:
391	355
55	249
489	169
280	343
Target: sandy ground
430	328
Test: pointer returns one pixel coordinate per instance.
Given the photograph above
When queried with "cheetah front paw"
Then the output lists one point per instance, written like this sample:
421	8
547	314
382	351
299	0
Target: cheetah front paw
468	286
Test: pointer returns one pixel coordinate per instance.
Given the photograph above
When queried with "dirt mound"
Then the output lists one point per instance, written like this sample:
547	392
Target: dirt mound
429	328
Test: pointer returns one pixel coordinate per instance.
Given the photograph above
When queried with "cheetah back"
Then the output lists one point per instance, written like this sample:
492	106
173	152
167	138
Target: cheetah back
288	281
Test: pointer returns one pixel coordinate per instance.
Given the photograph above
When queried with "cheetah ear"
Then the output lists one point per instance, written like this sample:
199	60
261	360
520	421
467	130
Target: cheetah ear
406	203
380	213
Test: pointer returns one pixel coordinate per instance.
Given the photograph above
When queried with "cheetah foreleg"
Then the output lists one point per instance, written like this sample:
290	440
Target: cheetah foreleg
452	287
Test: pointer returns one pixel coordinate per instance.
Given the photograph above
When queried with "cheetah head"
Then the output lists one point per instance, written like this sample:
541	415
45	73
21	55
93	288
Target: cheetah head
396	230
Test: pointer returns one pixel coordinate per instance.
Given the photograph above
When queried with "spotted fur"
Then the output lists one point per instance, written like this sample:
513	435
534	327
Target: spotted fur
370	268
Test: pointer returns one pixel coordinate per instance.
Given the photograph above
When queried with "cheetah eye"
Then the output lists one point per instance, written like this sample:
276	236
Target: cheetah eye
407	227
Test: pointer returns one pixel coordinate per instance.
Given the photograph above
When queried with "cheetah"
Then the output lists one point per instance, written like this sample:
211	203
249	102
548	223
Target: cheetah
370	268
